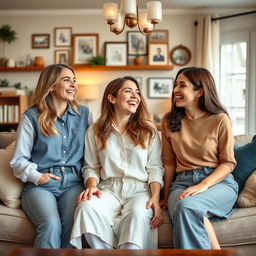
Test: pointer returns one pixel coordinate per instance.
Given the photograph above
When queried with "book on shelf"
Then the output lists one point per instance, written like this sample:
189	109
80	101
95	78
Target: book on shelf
9	113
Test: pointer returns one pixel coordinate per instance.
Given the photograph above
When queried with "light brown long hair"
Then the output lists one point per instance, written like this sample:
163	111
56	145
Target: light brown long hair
49	77
209	101
138	127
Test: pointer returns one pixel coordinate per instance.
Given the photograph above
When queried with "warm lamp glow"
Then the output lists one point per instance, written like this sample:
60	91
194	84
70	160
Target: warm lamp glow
87	92
130	17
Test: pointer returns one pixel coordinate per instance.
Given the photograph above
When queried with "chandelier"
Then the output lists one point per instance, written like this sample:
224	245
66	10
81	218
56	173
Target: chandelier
129	15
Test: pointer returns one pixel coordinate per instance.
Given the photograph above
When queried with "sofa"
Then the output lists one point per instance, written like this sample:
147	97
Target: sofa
238	232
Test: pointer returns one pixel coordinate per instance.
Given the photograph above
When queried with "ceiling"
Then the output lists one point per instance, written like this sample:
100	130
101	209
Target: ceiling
97	4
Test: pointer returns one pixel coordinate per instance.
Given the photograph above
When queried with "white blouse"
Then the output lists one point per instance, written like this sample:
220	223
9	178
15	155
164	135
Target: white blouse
121	158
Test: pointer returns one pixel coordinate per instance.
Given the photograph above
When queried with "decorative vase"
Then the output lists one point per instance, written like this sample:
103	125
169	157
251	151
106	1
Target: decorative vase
138	60
39	61
10	63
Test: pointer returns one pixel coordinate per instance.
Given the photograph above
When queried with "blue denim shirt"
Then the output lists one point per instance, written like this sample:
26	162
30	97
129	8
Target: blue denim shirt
36	152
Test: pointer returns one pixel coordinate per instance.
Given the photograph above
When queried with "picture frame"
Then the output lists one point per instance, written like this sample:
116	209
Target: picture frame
158	36
180	55
139	80
84	47
40	41
62	56
116	53
158	54
62	36
137	43
160	87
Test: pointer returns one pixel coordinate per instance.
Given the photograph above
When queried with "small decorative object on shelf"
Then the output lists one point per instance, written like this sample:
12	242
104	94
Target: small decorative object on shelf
10	63
39	61
16	89
138	60
29	61
97	60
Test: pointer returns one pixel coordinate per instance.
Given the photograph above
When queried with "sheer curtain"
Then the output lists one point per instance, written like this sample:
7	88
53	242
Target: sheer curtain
207	45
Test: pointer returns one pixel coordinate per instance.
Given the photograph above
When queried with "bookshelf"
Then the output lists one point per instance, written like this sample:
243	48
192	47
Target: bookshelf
11	108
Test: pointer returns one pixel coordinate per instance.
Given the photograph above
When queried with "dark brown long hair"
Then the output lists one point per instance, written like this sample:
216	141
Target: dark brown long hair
138	128
209	101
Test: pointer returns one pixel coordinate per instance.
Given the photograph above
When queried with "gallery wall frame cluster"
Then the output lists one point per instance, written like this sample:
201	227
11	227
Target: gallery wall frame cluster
78	49
152	49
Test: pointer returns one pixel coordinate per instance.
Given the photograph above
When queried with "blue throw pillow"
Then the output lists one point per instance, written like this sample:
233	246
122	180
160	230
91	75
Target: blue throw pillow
246	162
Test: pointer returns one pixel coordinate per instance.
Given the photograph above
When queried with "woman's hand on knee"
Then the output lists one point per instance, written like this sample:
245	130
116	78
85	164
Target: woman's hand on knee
193	190
87	194
46	177
157	218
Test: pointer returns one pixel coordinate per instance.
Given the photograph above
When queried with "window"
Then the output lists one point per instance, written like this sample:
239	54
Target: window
236	91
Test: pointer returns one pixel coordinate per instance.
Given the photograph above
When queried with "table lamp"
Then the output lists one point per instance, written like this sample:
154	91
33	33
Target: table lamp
87	92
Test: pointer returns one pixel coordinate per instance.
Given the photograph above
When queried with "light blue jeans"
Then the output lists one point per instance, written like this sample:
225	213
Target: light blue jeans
51	207
188	214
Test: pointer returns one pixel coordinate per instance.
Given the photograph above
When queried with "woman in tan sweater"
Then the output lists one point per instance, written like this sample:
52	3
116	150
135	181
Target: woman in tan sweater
198	159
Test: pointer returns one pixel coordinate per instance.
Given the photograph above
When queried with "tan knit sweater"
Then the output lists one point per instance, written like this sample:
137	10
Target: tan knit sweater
203	142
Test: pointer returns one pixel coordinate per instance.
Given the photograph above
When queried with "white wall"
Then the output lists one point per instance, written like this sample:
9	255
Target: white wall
181	31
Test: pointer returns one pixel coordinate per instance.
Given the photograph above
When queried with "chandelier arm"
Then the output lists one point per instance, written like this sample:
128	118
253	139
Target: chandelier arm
148	30
137	8
117	32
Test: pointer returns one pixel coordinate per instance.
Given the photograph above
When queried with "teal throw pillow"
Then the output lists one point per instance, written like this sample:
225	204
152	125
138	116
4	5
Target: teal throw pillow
246	162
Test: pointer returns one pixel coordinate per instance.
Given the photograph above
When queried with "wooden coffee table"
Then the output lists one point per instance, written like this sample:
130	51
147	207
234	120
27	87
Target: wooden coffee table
93	252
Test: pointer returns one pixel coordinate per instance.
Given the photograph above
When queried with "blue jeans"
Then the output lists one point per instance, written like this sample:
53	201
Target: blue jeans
188	214
51	207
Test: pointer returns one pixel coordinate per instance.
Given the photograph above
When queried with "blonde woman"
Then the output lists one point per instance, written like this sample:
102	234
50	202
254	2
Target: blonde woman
123	174
49	156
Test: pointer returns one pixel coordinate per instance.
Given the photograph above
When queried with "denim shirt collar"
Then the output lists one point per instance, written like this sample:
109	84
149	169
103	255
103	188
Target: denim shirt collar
70	110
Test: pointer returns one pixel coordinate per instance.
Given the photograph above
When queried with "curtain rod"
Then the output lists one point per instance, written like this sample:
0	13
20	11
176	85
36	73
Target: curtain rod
230	16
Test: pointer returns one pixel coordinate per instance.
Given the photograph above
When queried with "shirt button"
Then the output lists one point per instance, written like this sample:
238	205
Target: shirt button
64	137
63	124
63	162
64	151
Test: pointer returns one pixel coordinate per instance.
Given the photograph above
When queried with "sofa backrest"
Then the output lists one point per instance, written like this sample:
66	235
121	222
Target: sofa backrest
243	139
6	138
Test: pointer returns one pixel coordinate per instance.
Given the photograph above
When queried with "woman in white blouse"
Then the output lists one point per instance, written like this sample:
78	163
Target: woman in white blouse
123	174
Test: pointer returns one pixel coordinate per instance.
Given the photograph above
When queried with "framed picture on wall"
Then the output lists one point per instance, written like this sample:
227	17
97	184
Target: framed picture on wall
158	54
40	41
158	36
116	53
84	47
160	88
62	56
62	36
139	80
137	43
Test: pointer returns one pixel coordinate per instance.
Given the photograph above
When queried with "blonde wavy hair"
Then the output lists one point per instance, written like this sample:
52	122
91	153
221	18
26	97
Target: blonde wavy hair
42	98
138	127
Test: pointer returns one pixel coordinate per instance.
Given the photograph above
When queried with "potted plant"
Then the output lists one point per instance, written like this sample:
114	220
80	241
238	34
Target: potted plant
97	60
7	35
138	60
